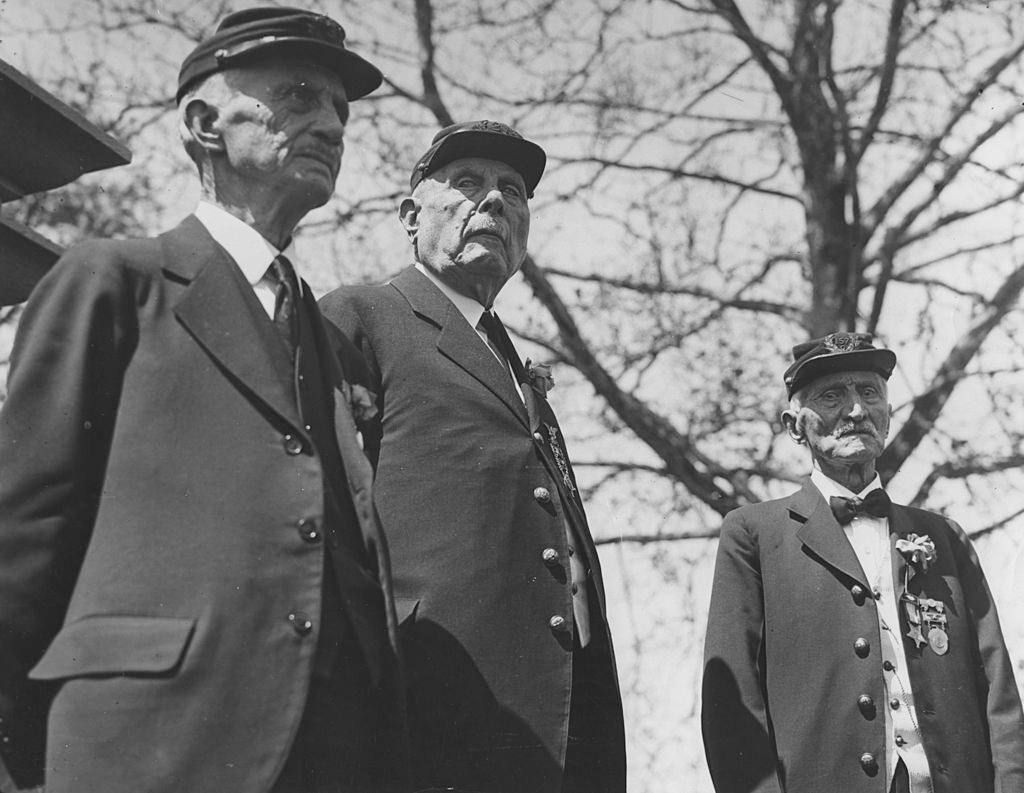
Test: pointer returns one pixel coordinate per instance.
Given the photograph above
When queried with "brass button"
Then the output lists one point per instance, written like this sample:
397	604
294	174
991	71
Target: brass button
894	703
300	622
900	740
862	647
550	556
867	762
292	445
858	593
865	701
542	494
308	530
557	623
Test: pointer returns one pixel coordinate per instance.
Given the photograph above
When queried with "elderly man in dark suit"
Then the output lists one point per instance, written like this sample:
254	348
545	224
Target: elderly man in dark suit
194	589
852	643
497	581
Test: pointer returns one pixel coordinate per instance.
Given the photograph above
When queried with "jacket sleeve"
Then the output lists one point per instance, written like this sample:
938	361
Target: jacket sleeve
734	716
1002	698
55	428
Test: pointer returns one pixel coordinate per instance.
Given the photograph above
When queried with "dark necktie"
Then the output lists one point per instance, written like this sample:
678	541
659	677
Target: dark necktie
499	341
287	301
875	503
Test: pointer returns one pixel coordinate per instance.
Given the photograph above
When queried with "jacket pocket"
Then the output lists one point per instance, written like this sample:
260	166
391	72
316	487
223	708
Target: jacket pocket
115	645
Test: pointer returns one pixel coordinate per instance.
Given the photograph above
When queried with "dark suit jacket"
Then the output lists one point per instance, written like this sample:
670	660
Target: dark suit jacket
782	678
152	569
457	484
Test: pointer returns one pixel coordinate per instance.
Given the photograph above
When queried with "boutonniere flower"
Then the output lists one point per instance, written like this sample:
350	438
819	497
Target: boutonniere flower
540	377
918	550
363	402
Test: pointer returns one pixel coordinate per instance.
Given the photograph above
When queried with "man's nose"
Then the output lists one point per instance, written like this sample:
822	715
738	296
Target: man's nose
856	410
493	202
330	127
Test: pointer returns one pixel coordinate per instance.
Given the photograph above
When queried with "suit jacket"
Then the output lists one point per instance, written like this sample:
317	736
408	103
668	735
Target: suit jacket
782	678
471	498
156	488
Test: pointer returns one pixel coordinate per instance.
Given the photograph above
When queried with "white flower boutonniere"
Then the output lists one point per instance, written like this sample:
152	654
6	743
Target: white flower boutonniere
540	376
363	402
918	550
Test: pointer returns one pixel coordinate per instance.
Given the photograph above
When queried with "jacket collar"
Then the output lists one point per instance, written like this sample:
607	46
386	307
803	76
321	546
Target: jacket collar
458	341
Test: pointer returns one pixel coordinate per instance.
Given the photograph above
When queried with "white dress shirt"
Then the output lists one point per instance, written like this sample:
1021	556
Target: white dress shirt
869	536
250	251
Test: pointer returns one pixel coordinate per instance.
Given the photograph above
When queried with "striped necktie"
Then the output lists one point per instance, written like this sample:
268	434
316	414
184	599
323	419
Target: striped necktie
287	301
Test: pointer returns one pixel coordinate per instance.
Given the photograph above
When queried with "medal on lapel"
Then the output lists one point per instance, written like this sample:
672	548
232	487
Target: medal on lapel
912	609
933	615
560	461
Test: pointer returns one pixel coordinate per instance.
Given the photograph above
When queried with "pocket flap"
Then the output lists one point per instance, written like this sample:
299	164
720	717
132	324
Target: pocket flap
114	644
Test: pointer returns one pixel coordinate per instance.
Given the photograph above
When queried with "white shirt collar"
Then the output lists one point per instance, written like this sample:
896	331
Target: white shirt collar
467	306
249	249
829	487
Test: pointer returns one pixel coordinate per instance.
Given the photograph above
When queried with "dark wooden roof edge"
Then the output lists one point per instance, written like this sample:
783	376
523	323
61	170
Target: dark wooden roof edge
25	256
38	92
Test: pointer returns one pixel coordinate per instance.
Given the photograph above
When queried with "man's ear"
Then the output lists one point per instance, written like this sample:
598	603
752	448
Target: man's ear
791	421
201	121
409	214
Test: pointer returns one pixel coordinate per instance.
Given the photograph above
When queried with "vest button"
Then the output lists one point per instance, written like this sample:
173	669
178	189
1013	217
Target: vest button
308	530
894	703
550	556
300	623
888	666
900	740
862	647
542	494
557	623
292	445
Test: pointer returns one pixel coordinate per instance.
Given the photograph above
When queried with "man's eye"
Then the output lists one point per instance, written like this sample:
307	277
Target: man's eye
466	182
512	191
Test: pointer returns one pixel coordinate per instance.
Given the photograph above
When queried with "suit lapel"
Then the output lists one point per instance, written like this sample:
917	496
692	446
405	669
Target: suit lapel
222	313
822	535
457	341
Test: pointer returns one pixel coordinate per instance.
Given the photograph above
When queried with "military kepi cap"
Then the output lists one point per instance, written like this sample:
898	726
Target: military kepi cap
488	139
836	352
245	34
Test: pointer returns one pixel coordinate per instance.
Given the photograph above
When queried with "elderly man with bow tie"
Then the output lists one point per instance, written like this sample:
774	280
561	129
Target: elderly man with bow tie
852	643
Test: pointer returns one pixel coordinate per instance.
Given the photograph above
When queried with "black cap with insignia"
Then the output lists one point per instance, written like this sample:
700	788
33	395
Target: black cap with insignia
836	352
245	34
491	140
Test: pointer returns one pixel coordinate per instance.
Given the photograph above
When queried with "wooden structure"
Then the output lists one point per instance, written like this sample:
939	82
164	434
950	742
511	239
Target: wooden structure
43	144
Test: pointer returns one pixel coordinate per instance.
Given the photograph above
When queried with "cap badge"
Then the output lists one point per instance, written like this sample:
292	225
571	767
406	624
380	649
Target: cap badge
496	126
844	342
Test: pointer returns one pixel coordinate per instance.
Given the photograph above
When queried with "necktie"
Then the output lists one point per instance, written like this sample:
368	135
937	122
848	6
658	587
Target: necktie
286	302
875	503
502	344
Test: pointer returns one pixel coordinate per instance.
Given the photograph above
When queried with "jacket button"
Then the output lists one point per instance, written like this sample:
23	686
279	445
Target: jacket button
557	623
308	530
292	445
550	556
862	647
894	703
542	494
859	595
867	762
300	622
864	701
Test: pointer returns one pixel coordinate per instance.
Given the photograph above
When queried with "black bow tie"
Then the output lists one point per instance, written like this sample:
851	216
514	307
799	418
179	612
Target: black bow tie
875	503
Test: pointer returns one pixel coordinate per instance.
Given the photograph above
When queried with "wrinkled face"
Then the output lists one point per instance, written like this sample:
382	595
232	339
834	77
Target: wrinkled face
282	127
843	417
469	222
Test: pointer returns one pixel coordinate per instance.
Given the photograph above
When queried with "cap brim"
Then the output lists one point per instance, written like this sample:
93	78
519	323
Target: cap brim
879	361
525	156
